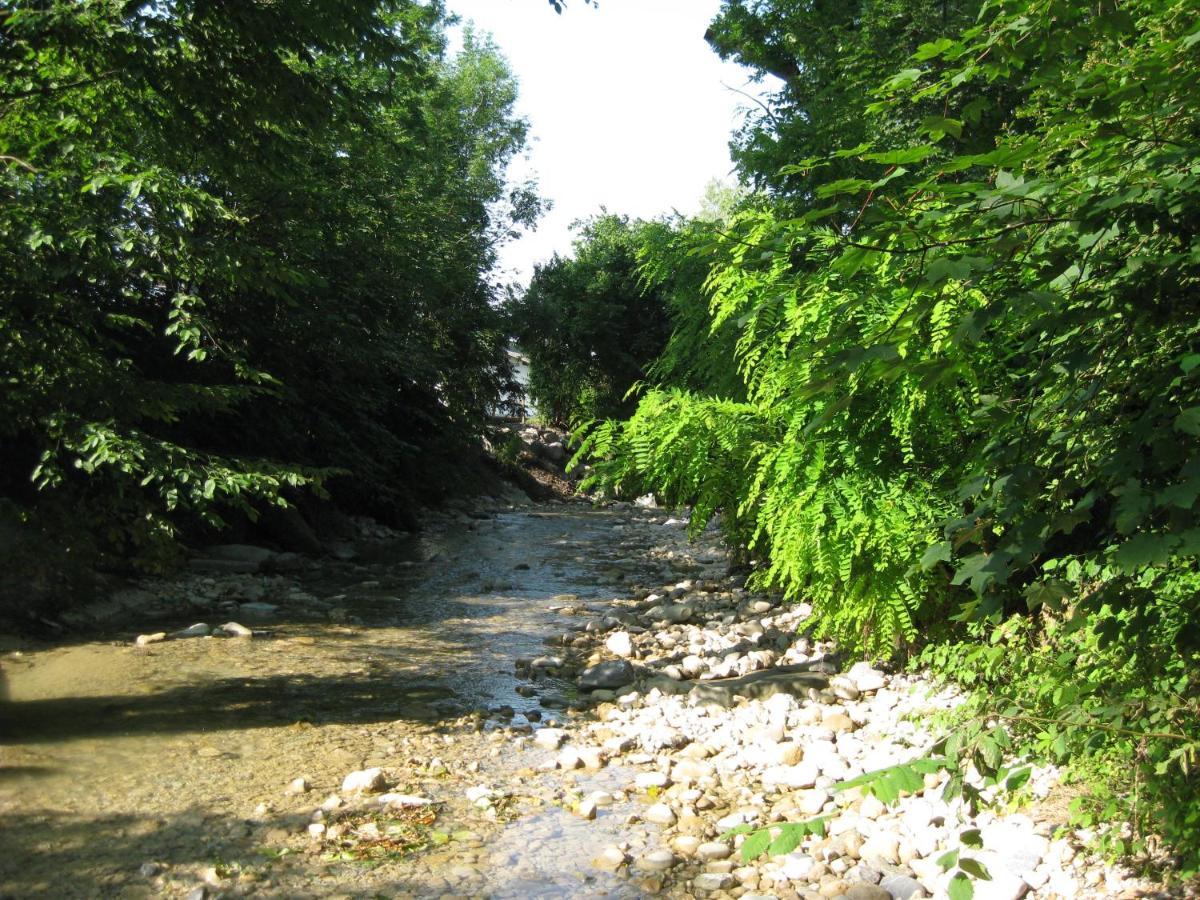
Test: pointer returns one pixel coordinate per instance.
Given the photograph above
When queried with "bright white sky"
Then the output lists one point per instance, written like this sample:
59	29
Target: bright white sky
626	105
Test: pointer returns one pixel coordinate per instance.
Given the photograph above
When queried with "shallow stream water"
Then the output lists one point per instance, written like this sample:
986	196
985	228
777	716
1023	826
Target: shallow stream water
153	771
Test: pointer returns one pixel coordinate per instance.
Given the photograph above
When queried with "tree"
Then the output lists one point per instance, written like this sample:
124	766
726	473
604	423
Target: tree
244	253
826	58
590	325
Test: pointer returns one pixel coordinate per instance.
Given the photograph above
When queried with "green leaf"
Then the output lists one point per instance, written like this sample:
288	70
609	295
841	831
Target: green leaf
936	553
735	831
755	845
788	840
904	157
944	268
1188	421
935	48
982	570
937	126
1018	779
948	859
1050	592
960	887
1144	550
903	79
975	868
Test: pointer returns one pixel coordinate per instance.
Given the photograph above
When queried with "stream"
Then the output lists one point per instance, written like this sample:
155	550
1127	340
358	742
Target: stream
164	770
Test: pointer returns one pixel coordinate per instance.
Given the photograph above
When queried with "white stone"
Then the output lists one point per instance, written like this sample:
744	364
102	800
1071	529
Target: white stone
865	678
480	795
796	866
713	850
734	819
619	643
610	858
660	814
549	738
811	802
592	758
569	759
802	775
647	780
657	861
843	688
364	781
871	807
883	846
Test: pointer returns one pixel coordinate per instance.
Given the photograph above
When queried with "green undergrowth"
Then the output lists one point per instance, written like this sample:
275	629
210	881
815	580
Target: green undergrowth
967	406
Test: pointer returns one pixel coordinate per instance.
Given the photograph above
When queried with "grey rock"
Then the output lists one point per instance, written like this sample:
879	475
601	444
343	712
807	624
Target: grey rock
864	891
200	629
902	887
239	553
284	562
795	680
203	566
712	881
611	674
678	613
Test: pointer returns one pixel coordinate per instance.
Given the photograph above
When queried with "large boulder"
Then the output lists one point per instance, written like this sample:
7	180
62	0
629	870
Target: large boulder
614	673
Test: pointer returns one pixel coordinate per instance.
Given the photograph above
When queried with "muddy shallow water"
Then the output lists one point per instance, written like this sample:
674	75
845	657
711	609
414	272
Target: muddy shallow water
129	771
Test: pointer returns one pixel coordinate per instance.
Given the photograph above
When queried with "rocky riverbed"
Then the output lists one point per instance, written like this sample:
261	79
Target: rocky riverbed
524	701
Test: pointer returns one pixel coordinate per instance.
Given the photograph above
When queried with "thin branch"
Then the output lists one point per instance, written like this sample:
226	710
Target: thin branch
982	239
19	162
46	90
774	118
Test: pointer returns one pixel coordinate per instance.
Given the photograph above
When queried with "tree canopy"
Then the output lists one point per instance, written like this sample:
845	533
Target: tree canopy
245	250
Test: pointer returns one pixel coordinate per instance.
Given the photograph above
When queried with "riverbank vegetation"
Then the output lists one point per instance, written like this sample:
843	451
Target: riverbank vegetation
940	377
244	253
